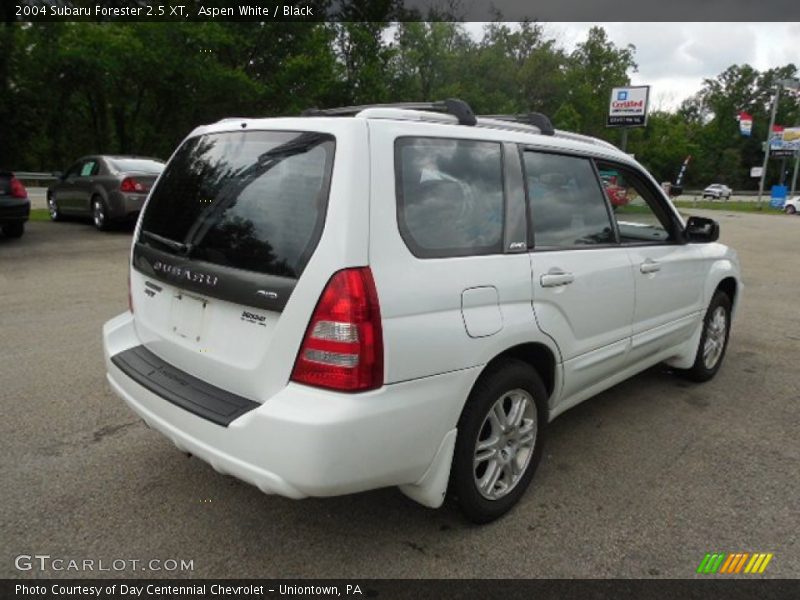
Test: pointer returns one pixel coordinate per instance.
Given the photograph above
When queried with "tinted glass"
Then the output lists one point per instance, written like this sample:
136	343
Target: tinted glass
250	200
136	165
74	170
450	196
636	209
567	206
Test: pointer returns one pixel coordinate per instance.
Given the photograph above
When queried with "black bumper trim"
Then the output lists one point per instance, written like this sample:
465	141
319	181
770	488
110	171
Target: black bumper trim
180	388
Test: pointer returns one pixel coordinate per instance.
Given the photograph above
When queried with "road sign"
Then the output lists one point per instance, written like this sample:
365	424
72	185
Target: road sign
628	106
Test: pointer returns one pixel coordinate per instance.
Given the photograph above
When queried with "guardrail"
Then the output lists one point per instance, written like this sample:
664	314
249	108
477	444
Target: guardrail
38	176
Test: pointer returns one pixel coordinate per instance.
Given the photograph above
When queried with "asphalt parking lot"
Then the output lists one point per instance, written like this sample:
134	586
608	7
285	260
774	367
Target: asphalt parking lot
640	481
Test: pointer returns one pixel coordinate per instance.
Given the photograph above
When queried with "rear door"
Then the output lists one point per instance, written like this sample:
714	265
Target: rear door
223	280
583	290
447	247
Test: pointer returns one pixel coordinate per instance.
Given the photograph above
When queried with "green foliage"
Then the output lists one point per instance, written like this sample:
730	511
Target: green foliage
68	89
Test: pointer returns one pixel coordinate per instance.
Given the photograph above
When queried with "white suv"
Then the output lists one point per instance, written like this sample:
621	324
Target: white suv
403	296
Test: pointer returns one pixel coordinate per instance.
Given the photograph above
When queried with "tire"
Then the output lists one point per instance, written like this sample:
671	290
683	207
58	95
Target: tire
709	359
13	230
790	210
52	207
100	214
515	390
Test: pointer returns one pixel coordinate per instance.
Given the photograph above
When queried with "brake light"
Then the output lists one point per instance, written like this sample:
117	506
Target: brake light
343	345
17	189
130	185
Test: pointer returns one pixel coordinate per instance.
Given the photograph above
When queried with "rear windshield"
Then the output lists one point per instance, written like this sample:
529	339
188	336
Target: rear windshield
137	165
251	200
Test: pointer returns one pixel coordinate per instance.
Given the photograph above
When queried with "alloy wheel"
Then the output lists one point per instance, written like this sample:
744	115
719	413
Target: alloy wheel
716	332
505	444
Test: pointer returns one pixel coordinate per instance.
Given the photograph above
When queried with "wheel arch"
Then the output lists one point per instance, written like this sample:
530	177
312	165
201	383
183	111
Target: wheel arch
539	356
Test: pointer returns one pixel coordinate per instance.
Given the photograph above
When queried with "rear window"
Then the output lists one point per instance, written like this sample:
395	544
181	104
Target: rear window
251	200
450	196
136	165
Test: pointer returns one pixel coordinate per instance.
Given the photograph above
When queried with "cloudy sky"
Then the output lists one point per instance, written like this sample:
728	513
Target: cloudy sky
674	58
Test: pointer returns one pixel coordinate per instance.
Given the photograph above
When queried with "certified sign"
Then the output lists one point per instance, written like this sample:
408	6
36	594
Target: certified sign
628	106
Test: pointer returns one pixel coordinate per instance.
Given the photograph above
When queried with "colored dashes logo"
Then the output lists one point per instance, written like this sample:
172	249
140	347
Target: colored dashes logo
735	562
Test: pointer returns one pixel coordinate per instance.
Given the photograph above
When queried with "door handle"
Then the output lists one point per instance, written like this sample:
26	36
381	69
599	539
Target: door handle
556	277
649	266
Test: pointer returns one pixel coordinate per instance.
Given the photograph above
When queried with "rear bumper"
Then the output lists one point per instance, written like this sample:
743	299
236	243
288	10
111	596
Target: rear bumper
122	205
14	210
304	441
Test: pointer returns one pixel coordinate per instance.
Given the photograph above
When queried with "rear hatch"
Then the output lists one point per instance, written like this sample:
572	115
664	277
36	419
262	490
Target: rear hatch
223	241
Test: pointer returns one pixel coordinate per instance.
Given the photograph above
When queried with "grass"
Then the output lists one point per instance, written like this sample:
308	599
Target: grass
750	206
39	214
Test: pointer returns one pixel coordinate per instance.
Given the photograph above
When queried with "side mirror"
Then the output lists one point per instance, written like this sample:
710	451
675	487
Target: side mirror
701	229
675	191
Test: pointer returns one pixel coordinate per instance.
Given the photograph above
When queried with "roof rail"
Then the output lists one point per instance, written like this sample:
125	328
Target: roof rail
458	108
534	118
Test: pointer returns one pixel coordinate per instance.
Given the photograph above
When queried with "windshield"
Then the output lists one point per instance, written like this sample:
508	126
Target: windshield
251	200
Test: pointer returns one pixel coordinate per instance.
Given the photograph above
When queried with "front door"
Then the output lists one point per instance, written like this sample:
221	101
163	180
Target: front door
668	274
583	289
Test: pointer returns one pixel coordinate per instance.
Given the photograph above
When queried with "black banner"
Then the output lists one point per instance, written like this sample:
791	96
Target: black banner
733	588
399	10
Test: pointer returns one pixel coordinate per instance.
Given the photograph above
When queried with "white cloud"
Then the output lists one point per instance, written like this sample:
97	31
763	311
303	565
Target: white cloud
675	58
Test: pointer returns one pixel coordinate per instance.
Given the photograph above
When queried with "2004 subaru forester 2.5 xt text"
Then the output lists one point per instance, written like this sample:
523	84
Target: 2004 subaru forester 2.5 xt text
403	295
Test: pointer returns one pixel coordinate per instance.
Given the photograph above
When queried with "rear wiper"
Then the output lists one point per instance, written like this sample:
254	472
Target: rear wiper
175	245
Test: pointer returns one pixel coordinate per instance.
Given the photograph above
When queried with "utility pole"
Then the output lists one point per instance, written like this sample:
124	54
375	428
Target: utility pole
792	84
766	148
624	143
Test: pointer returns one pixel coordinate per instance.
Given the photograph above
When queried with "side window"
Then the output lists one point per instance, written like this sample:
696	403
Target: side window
74	170
89	168
567	207
640	216
449	196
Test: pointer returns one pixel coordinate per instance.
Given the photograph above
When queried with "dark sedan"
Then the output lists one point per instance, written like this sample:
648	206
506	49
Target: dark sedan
105	188
14	205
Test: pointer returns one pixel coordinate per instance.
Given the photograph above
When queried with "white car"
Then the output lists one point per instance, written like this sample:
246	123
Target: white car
792	206
403	296
718	191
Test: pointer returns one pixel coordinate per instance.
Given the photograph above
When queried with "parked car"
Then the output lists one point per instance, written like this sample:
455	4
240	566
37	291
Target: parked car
15	207
105	188
403	296
616	193
717	191
792	206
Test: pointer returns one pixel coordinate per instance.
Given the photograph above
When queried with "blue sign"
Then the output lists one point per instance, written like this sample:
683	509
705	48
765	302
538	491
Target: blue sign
779	193
623	95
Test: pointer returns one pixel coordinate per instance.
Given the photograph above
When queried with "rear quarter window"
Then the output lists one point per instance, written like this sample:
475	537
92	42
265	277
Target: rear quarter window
449	196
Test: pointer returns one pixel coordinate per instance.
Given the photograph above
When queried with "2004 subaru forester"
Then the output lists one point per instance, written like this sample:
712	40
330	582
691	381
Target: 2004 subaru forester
403	295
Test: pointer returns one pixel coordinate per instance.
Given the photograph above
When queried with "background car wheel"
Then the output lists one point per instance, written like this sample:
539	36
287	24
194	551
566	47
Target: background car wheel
99	214
713	340
52	207
13	230
500	438
790	210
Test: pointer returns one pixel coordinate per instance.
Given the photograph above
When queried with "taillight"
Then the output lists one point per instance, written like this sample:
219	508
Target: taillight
17	189
130	185
343	345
